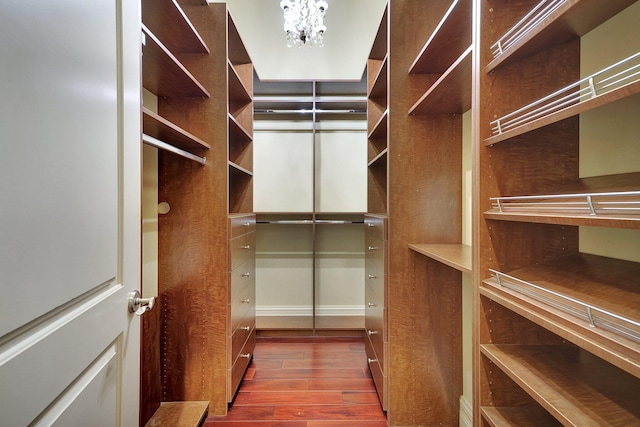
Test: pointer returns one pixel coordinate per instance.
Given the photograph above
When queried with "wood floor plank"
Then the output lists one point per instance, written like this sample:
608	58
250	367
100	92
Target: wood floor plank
278	385
306	382
330	363
382	423
359	398
285	398
258	363
326	354
345	384
329	412
310	373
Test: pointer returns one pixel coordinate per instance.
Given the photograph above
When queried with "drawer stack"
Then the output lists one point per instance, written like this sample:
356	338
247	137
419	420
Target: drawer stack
376	341
242	309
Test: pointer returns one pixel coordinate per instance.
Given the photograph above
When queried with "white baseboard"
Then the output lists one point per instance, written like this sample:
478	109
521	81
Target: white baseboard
307	310
466	412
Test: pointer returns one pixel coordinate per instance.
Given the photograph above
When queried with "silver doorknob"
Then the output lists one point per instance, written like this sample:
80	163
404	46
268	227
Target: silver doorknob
139	305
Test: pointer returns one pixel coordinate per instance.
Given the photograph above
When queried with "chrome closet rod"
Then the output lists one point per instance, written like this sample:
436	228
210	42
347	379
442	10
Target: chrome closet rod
310	221
154	142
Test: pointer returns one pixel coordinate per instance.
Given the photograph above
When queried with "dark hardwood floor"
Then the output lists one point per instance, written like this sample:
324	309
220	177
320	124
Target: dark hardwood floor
306	382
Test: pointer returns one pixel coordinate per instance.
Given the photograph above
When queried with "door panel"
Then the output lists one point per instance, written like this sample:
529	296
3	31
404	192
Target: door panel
70	212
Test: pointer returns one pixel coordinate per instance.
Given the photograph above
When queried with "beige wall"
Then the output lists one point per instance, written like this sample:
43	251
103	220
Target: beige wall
610	135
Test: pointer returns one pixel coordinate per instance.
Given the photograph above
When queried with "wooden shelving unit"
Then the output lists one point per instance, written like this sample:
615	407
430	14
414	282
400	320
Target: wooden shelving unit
558	330
195	63
419	80
456	256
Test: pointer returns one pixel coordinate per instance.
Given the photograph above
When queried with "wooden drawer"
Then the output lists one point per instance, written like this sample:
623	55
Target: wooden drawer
376	226
379	378
239	367
240	336
242	306
374	323
375	277
375	255
241	248
375	267
241	276
241	224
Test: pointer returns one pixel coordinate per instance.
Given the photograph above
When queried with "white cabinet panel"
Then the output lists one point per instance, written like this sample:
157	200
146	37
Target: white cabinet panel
341	172
283	171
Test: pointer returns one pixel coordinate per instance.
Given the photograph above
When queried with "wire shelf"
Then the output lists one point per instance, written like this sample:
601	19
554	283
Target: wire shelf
592	204
594	316
604	81
526	24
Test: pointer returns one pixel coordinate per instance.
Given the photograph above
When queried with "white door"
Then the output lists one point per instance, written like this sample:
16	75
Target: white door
69	212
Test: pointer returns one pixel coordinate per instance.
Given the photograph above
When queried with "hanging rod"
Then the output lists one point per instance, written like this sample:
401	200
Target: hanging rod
307	111
309	221
154	142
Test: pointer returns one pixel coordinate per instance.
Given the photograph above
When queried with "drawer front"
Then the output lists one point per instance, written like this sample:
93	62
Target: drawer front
375	265
242	276
375	251
241	248
240	365
374	323
243	306
379	378
240	336
241	224
376	226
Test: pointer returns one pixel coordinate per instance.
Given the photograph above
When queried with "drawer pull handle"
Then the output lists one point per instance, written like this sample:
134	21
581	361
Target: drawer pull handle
371	276
371	305
370	360
373	248
245	328
246	356
246	301
247	247
246	274
247	224
370	332
370	224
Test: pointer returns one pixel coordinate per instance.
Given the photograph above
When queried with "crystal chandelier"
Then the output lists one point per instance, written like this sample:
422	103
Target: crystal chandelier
303	21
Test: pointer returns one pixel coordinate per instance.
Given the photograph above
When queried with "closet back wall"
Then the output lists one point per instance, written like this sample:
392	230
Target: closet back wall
286	170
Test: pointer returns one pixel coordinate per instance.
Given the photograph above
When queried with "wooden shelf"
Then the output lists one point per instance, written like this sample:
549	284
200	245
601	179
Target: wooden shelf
237	52
162	129
379	130
380	43
571	111
380	159
451	37
164	75
378	89
236	169
240	145
521	416
170	24
609	287
574	386
456	256
237	132
451	93
612	198
238	92
571	20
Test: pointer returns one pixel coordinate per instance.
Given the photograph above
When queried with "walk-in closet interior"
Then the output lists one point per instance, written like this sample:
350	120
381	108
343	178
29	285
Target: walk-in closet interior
467	201
310	182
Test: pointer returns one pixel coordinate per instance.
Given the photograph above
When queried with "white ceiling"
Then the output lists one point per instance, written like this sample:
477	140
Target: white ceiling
351	28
